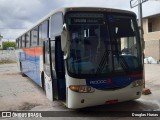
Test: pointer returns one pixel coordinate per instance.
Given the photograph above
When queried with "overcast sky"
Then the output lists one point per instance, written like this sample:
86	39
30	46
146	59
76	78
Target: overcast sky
18	15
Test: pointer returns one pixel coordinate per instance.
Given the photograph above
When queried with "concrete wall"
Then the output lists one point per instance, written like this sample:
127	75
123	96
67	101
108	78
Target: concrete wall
152	48
152	39
152	36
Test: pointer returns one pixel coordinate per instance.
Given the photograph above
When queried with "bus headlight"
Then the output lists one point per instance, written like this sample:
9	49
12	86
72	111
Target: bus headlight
82	88
137	83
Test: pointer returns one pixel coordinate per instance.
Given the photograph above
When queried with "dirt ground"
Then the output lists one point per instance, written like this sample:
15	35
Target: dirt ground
20	93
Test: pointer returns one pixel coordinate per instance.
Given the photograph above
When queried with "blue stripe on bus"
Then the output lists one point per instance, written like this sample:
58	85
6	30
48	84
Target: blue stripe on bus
112	82
31	66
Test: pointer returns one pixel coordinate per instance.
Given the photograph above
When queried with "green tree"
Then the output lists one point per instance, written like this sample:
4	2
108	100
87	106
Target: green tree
8	44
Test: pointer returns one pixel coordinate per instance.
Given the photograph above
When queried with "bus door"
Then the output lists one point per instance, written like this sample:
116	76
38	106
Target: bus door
47	70
58	72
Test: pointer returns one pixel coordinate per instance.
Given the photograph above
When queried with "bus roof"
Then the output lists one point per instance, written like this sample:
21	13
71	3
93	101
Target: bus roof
67	9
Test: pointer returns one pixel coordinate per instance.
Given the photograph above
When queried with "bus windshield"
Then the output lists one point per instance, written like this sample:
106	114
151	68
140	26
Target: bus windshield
102	44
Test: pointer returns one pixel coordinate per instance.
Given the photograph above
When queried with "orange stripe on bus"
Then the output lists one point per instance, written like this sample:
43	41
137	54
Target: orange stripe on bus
33	51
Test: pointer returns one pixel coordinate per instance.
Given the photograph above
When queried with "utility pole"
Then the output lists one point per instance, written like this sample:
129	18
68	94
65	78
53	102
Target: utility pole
140	16
138	3
140	13
140	22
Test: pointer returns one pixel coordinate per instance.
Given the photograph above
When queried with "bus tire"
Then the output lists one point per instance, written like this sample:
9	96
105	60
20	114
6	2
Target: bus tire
43	82
23	75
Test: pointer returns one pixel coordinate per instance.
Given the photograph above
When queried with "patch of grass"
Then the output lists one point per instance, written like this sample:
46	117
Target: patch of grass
7	62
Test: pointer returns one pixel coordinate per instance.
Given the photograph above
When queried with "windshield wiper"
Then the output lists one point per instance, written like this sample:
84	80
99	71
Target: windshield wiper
124	64
121	59
102	62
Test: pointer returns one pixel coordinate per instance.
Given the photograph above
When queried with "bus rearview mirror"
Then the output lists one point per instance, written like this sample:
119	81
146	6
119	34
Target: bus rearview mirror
63	39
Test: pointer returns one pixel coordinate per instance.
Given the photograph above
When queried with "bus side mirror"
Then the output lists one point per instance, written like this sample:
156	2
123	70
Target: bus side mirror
64	26
63	39
65	56
64	43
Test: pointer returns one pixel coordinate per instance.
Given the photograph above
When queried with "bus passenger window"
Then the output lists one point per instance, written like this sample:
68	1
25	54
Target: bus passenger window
56	24
46	52
17	43
28	39
34	35
23	41
20	42
40	42
45	32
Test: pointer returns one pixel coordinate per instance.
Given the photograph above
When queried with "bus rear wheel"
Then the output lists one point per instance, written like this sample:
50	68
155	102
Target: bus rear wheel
23	75
43	82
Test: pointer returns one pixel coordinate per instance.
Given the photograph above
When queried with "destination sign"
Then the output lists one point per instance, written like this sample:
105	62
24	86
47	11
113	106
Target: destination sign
87	21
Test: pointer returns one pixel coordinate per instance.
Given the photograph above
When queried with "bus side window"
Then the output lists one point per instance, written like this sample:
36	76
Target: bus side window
46	52
43	37
53	53
40	42
20	42
45	29
23	41
56	24
46	58
17	43
34	36
28	39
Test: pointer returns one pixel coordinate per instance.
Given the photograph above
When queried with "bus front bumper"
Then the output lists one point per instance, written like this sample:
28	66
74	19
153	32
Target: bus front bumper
100	97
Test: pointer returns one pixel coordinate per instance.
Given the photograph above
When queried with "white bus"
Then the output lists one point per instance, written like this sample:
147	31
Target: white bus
84	56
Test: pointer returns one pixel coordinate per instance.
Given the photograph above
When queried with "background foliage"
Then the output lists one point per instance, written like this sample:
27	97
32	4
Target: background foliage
8	44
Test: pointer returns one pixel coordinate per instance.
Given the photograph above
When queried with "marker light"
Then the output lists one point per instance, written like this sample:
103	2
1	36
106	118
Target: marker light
74	88
81	88
137	83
